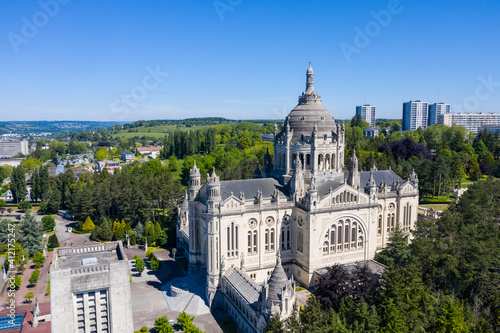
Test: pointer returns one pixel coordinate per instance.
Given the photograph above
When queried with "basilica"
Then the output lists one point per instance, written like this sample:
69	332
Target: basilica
257	239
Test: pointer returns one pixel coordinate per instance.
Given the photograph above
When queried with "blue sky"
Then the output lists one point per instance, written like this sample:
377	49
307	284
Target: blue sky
242	59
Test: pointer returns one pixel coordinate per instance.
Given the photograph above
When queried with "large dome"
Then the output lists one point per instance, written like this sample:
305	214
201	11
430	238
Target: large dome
309	113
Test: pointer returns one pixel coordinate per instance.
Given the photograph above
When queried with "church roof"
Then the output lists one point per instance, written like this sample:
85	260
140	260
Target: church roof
250	187
380	175
324	188
248	288
277	281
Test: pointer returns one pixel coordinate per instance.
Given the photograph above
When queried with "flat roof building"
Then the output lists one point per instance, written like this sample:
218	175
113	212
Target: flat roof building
414	115
367	113
436	110
11	148
471	121
90	289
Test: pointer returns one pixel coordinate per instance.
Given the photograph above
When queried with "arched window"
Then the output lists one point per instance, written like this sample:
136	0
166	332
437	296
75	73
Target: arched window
232	240
255	238
343	235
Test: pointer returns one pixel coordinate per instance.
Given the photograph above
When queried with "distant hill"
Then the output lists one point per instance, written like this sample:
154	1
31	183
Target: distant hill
54	127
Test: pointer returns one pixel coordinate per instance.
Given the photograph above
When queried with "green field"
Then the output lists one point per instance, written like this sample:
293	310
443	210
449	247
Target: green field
155	131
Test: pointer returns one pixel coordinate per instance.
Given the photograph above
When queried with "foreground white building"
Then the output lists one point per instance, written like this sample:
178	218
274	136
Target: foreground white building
256	238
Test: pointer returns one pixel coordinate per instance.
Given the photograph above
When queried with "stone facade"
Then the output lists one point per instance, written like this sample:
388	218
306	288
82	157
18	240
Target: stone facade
306	206
90	289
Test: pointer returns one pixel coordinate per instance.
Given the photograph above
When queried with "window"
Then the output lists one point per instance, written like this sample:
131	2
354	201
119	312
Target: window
232	240
92	311
266	240
343	235
255	242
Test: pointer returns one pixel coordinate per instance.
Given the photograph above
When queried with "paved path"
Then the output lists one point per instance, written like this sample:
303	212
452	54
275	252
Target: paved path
148	298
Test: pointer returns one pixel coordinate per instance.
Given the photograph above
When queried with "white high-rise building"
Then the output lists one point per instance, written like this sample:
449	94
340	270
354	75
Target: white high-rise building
436	110
367	113
11	148
471	121
414	115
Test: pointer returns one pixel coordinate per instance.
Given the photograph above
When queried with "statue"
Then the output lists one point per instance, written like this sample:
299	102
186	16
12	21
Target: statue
37	307
222	263
146	245
243	262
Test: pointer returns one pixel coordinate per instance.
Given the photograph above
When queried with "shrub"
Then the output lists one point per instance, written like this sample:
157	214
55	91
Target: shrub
53	242
150	254
29	296
144	329
43	208
88	225
139	265
39	258
48	223
34	276
155	264
18	280
25	206
162	325
2	203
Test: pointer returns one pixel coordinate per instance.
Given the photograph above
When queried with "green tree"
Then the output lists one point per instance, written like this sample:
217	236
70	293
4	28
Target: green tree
34	276
88	225
18	280
18	184
48	223
450	317
25	206
173	163
101	154
29	296
31	234
184	319
139	264
162	325
39	259
474	170
397	251
275	325
53	242
293	322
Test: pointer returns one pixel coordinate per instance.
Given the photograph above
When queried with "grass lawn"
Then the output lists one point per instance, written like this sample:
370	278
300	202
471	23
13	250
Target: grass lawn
435	200
441	207
155	132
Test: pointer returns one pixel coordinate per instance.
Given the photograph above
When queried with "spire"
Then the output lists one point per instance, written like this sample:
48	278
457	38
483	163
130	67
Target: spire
257	173
371	181
309	80
413	177
267	156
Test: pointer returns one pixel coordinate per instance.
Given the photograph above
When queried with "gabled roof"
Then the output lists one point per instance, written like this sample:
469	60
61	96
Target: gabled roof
388	176
324	188
247	287
250	187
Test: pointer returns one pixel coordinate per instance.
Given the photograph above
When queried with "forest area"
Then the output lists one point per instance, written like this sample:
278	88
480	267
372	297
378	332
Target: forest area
447	279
